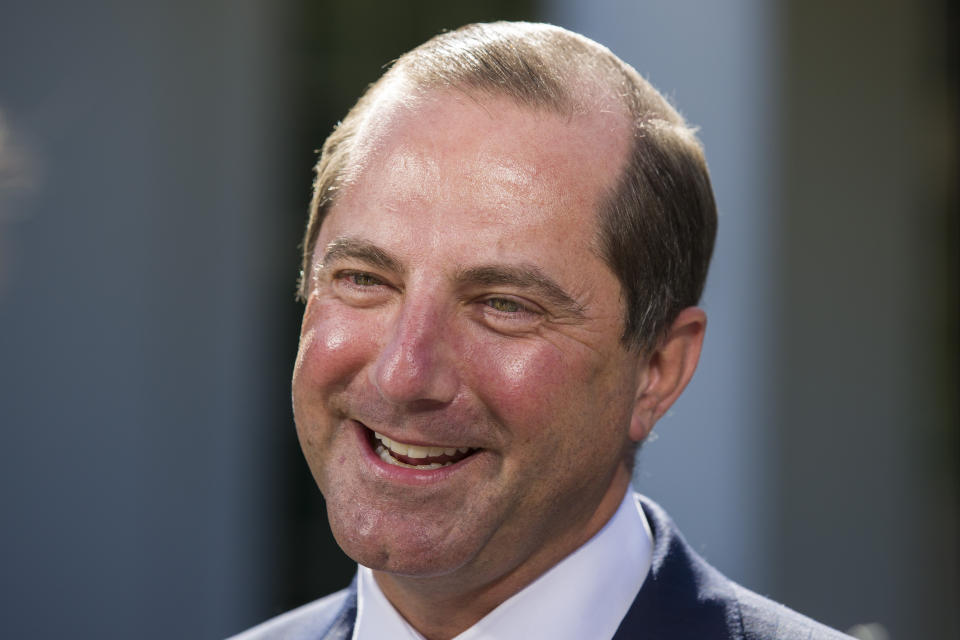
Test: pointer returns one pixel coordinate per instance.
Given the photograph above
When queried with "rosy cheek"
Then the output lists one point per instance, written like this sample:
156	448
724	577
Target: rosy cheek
519	379
520	373
334	346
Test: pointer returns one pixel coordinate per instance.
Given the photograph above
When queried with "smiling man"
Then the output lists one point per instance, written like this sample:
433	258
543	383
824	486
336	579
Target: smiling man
508	237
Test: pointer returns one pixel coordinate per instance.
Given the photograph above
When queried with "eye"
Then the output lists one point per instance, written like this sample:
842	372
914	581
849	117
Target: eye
359	287
504	305
510	314
360	279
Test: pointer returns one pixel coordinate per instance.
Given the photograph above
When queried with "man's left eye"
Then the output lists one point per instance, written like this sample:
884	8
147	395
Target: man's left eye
504	305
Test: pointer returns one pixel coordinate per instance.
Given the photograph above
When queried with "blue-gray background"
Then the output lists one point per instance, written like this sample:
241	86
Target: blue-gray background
154	173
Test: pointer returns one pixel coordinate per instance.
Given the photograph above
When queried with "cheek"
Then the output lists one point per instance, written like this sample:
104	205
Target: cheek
333	348
523	382
546	394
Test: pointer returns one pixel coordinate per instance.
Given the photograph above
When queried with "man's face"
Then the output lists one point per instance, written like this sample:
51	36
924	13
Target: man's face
461	306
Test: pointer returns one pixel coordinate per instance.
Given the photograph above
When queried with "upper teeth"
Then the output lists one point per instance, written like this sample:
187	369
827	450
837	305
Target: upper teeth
414	451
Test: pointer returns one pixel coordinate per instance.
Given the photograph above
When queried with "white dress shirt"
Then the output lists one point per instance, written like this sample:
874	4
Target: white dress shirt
585	595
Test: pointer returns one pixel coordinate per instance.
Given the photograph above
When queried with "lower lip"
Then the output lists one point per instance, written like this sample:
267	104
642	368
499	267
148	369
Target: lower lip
405	475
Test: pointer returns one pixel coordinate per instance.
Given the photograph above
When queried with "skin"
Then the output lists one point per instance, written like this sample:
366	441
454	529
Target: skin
459	300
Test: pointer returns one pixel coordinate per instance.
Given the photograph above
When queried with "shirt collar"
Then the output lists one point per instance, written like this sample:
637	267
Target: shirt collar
585	595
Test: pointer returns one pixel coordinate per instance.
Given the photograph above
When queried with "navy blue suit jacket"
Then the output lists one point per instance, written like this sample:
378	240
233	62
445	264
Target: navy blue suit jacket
682	598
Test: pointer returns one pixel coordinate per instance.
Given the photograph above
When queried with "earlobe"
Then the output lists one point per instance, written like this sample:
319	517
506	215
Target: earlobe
667	371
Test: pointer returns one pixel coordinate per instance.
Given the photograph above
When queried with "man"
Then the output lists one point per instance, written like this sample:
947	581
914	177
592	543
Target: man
508	237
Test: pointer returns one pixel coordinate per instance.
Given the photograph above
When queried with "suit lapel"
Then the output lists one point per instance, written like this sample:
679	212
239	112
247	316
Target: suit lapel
682	596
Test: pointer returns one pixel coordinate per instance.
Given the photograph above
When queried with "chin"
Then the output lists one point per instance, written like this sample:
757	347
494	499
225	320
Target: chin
399	546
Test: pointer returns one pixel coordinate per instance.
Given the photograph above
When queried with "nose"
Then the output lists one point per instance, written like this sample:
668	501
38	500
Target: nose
415	365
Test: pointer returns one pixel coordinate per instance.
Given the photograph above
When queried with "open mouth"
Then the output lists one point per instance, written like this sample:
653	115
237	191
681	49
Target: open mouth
417	457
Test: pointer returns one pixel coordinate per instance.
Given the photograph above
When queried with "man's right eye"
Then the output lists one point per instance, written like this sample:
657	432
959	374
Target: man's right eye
360	279
359	287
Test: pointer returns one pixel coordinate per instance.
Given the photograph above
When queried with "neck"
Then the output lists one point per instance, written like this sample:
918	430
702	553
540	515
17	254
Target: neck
442	607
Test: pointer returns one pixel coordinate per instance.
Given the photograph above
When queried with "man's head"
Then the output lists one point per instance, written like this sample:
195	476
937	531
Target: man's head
656	225
467	390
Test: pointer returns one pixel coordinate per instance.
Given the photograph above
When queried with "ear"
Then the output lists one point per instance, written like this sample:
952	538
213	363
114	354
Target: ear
667	371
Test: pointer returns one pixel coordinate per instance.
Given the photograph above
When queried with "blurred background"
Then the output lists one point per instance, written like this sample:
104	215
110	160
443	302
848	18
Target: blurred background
155	167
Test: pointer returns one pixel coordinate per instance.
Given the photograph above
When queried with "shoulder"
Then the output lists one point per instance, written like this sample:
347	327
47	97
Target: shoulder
763	618
687	597
313	620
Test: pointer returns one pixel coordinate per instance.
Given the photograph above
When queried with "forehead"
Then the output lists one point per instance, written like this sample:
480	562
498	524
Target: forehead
510	155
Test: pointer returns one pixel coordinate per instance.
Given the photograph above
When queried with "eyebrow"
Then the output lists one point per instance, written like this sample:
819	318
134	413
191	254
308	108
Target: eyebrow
361	250
524	276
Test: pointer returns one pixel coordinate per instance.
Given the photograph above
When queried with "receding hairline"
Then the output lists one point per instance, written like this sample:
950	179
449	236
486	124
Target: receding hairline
589	79
659	223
